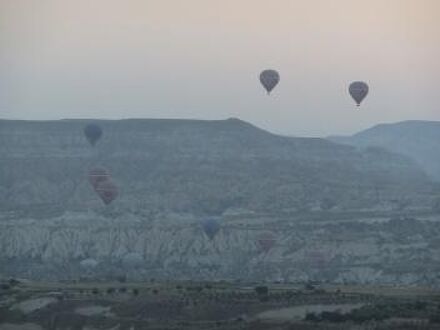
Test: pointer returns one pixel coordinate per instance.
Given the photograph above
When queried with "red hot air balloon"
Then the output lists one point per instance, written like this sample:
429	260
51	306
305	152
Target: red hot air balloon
266	241
98	175
107	191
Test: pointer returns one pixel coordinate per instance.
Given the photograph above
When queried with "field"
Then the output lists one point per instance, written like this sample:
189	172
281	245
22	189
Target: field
214	305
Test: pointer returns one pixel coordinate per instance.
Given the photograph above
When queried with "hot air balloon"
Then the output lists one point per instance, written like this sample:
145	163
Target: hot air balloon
269	79
211	227
358	91
98	175
107	191
93	133
266	241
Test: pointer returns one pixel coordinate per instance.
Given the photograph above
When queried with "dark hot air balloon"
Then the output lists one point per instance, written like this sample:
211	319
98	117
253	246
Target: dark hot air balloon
107	191
211	227
358	91
93	133
269	79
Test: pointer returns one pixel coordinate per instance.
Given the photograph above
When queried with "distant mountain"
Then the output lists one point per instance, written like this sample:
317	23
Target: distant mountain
419	140
198	167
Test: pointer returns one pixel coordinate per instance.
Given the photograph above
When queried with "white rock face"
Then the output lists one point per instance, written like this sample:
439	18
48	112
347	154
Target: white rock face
176	247
93	310
31	305
133	260
89	263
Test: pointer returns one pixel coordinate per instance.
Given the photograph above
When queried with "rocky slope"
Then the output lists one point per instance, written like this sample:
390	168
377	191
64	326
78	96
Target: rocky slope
416	139
197	167
367	250
337	213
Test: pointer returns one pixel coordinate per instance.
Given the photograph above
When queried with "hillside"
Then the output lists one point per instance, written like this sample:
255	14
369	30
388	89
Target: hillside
336	213
416	139
198	167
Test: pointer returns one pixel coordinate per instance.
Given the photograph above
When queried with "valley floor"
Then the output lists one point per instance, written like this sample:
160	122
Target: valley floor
214	305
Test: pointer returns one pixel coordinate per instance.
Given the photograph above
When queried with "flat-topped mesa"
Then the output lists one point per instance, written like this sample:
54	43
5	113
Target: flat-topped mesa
200	167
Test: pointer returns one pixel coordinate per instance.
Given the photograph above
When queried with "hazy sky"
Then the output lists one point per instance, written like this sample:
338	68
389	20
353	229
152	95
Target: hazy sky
201	59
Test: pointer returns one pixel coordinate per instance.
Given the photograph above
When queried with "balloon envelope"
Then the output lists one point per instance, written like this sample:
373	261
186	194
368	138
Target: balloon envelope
269	79
107	191
266	241
211	227
358	91
93	133
98	175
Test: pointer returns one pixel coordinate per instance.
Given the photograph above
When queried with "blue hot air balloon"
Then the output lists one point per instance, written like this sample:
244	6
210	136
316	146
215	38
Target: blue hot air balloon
210	226
93	133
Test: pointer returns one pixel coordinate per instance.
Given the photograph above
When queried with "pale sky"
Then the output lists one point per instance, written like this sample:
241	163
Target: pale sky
201	59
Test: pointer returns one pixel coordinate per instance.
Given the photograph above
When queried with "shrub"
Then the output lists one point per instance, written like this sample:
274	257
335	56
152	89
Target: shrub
434	318
310	286
122	279
13	282
263	298
369	313
311	317
420	305
333	317
262	290
5	286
